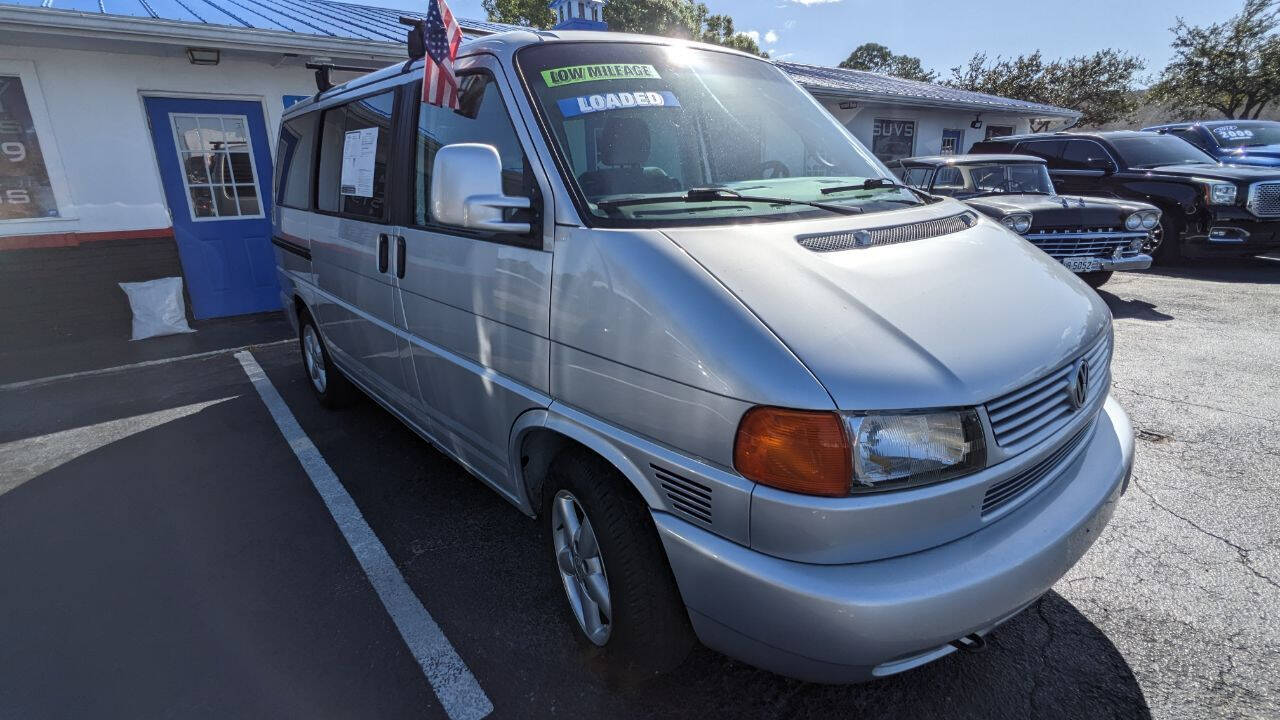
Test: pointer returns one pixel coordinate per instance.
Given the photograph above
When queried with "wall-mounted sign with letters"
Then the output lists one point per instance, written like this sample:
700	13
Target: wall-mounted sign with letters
893	139
25	191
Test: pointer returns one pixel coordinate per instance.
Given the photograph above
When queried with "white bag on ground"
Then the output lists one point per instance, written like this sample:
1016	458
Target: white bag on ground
157	307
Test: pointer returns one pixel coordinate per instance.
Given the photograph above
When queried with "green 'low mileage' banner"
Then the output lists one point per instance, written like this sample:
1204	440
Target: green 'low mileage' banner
556	77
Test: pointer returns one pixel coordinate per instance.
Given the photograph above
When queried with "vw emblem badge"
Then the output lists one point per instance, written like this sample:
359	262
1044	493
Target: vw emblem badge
1080	385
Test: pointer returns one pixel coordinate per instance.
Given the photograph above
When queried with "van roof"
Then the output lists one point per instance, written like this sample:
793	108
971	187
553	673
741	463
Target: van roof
504	45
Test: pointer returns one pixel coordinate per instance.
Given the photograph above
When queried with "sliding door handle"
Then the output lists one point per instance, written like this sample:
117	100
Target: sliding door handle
400	261
383	250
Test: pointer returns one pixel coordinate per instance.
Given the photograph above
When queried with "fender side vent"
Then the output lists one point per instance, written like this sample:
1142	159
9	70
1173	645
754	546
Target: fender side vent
692	499
892	235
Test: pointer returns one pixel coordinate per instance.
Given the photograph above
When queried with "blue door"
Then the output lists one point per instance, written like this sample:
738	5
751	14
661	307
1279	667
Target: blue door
215	163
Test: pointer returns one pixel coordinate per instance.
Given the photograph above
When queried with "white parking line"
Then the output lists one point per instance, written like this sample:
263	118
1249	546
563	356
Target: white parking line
453	683
133	366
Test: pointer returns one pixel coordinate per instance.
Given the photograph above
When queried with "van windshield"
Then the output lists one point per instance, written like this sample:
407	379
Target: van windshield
638	127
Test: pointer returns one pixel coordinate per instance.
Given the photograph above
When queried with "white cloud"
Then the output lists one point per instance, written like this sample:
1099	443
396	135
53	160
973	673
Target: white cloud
771	37
753	34
815	2
788	24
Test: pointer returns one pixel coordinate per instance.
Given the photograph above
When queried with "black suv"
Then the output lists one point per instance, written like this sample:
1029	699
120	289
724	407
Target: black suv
1209	208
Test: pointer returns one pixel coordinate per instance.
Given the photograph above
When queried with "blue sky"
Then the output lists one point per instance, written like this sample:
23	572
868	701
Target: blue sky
944	35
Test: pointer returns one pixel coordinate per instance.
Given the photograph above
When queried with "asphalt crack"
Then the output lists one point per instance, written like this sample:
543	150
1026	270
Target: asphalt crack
1185	403
1241	552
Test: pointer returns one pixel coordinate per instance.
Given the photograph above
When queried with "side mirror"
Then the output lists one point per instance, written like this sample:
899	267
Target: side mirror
466	190
1102	164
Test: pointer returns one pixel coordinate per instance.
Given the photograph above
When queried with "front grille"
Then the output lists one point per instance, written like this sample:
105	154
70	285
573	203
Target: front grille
1082	242
1040	408
873	237
1264	199
1006	491
692	499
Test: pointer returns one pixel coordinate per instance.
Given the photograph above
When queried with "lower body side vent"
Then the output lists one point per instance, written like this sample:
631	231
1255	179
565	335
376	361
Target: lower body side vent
687	497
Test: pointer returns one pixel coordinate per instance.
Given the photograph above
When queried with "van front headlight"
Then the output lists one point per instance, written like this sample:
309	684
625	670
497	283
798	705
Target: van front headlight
837	454
892	450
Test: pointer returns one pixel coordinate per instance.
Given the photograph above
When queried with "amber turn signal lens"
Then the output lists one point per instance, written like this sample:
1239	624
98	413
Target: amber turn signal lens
800	451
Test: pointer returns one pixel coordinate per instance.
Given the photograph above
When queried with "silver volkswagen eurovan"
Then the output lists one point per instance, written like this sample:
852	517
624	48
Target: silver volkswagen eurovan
755	392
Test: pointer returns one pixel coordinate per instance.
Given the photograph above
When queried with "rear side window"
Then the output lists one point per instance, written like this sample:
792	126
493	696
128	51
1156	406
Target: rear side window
1050	150
355	144
482	118
1085	155
295	153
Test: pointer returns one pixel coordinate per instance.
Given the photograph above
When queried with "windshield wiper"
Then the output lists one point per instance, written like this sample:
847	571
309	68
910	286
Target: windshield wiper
879	183
714	194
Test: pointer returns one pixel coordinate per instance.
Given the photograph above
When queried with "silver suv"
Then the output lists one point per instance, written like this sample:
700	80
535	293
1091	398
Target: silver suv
756	392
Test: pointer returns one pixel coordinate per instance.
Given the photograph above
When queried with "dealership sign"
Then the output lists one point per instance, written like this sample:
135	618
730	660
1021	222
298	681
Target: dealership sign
25	191
893	139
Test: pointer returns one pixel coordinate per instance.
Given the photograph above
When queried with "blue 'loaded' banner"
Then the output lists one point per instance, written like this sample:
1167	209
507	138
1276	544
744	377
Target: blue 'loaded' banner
586	104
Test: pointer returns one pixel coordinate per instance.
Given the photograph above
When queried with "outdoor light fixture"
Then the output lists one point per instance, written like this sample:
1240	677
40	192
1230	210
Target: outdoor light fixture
203	56
977	122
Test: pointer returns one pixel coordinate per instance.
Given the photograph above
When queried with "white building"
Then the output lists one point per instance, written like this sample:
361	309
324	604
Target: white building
899	118
138	138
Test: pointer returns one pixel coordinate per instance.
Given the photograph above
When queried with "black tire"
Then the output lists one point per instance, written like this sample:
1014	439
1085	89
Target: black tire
1097	279
331	387
649	626
1170	250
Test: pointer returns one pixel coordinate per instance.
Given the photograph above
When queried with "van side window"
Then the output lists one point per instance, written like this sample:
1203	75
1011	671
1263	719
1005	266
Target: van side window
482	118
371	113
297	151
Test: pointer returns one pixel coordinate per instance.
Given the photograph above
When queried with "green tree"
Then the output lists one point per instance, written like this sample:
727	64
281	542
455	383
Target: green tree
1231	67
718	29
877	58
669	18
1101	86
530	13
686	19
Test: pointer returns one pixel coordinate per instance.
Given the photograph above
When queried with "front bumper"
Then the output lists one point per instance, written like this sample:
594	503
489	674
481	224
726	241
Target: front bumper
1232	231
1132	262
849	623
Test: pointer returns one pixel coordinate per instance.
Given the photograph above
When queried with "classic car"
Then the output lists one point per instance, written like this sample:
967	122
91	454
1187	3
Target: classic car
1092	237
1208	208
1239	142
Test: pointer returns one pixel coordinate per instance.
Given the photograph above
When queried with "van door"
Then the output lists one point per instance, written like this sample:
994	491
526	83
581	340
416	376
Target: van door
351	245
476	305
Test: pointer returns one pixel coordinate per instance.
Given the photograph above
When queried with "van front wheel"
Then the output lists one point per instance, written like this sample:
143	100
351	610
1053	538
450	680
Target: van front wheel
606	553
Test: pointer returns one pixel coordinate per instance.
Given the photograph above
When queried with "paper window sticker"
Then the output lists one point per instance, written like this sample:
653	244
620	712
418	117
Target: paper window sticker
359	151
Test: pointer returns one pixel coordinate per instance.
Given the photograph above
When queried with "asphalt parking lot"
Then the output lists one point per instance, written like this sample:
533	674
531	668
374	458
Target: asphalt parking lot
166	555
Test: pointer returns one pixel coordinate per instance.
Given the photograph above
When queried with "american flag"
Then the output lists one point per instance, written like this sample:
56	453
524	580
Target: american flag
442	36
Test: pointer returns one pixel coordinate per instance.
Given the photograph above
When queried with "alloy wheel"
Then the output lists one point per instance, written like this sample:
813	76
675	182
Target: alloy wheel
581	567
313	358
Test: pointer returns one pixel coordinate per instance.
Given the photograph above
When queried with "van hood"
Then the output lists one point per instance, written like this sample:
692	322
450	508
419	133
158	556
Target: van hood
947	321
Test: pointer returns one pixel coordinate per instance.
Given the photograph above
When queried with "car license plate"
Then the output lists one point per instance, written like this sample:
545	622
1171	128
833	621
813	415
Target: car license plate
1082	264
